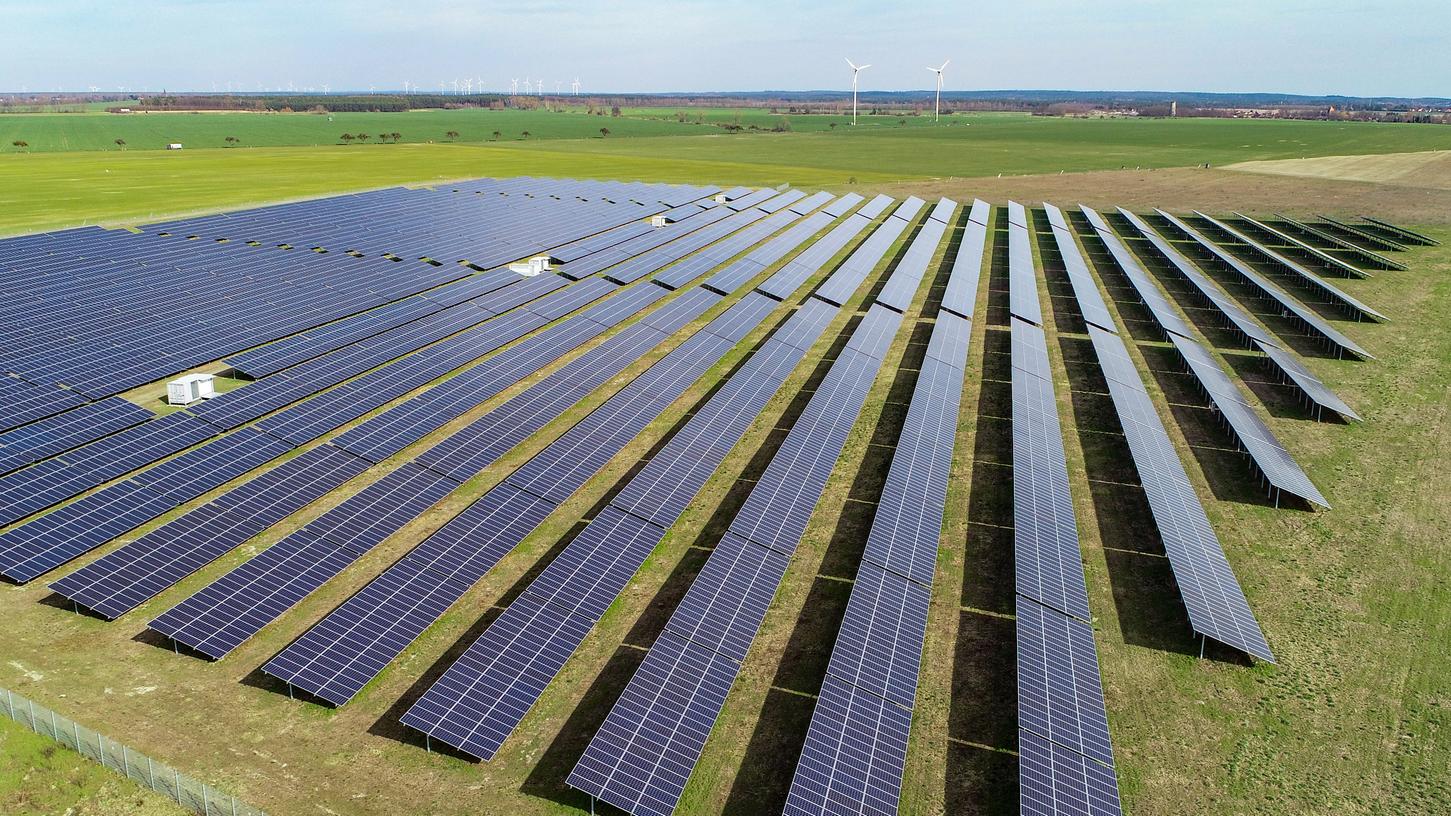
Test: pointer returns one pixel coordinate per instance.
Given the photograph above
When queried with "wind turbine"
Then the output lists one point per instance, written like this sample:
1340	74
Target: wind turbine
575	86
855	69
937	105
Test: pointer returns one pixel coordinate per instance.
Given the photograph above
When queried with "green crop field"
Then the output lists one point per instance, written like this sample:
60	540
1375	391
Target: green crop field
1355	601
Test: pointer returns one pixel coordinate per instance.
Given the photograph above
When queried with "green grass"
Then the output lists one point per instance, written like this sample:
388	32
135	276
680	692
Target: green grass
47	190
39	777
971	146
56	190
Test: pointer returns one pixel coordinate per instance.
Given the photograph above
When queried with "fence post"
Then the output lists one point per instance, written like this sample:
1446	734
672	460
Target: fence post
125	763
206	809
150	774
10	703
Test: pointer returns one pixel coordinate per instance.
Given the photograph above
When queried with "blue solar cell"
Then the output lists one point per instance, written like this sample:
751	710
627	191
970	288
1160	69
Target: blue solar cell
1054	781
478	701
64	431
854	756
1060	696
728	599
642	755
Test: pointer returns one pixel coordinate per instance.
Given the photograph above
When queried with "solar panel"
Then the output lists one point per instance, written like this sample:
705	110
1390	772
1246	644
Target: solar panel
1310	385
1085	291
595	568
1060	696
1307	317
1022	280
1272	459
64	431
127	577
1055	781
906	278
960	296
1240	320
844	282
879	647
1163	313
728	599
854	756
641	757
222	615
47	542
650	741
1049	566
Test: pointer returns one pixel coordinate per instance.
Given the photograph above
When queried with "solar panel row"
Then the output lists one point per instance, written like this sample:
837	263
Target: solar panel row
814	258
1236	318
1060	696
1304	316
399	427
960	297
1163	312
598	435
848	277
123	579
1302	249
1207	585
906	278
62	432
1085	291
642	755
124	255
1280	360
1307	278
482	698
870	689
1275	464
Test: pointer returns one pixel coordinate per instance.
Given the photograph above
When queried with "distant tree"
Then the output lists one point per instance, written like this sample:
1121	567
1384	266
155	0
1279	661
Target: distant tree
21	144
121	143
396	136
525	134
614	110
362	137
451	135
347	138
382	137
901	121
833	126
232	141
498	135
604	132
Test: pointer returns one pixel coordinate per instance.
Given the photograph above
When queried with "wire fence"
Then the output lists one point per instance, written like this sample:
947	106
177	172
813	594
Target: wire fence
190	793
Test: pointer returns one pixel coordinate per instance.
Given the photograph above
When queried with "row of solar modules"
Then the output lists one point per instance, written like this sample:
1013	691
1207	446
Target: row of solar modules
222	615
855	751
351	645
1207	585
57	479
390	432
1275	465
153	308
1331	240
644	752
1279	359
483	696
1065	755
445	337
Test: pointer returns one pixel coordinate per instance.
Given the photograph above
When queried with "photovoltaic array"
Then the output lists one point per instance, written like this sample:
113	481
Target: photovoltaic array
382	356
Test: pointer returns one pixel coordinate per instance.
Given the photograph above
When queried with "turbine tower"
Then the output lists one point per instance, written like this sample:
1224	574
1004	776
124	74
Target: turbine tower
937	105
575	86
855	69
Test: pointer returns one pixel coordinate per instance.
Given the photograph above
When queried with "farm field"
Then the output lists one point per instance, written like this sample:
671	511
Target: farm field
1354	600
1429	169
50	190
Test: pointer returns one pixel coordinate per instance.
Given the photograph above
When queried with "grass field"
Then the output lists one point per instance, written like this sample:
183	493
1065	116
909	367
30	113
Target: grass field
40	778
50	190
1354	600
1431	169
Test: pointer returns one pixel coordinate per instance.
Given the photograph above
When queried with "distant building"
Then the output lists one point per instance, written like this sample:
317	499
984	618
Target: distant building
174	146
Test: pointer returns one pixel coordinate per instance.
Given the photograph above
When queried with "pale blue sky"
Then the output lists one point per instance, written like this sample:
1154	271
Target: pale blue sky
1356	47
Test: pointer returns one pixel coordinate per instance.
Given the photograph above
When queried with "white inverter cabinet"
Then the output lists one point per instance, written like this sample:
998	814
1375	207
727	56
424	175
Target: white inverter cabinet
189	389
